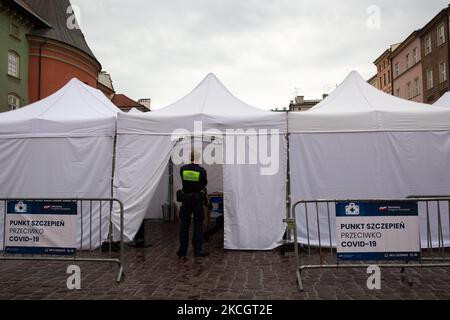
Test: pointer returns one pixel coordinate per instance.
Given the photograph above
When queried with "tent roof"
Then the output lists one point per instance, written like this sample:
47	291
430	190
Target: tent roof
443	101
211	103
210	97
356	106
75	110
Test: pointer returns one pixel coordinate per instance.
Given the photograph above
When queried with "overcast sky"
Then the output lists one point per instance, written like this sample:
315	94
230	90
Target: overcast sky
264	51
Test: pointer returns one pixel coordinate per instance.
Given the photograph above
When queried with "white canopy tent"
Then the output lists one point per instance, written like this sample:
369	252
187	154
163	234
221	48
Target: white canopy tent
59	147
443	101
362	143
253	199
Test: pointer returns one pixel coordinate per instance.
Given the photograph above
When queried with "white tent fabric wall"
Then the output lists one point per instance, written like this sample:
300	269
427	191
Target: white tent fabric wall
255	204
141	163
155	207
362	143
60	147
144	148
383	165
443	101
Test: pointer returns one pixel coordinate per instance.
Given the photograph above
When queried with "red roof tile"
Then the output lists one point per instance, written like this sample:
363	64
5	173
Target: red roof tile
122	101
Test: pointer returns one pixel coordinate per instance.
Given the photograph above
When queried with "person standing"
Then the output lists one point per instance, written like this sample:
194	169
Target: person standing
194	179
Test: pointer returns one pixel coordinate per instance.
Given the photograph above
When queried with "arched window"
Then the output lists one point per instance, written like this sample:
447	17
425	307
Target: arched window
13	64
13	101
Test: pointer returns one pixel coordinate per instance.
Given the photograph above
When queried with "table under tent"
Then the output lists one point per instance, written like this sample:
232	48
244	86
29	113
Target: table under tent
254	192
443	101
365	144
60	147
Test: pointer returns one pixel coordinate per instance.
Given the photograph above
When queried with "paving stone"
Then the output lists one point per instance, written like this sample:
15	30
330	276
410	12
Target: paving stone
156	273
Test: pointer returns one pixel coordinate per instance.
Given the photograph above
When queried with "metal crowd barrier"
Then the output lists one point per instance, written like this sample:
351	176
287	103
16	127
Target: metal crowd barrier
316	211
95	241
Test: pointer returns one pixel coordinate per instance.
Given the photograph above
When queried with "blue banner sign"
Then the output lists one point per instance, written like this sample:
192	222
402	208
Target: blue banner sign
41	227
385	230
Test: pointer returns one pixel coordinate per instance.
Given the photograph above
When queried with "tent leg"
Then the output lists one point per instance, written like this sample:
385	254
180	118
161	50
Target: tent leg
288	190
170	211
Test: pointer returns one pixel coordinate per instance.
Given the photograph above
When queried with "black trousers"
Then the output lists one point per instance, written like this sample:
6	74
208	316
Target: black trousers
192	204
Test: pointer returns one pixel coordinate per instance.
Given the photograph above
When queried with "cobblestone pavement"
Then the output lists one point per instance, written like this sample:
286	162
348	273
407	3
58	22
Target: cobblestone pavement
156	273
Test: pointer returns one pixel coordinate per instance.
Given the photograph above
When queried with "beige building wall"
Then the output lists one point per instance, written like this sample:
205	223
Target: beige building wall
407	71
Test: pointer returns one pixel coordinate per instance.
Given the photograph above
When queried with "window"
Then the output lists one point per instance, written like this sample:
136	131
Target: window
441	34
442	72
407	62
428	45
14	31
13	64
397	93
430	83
416	87
415	56
13	101
389	77
408	90
384	79
397	69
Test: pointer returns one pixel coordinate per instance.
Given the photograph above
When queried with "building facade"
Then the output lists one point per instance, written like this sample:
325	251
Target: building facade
373	81
384	70
407	69
435	58
147	103
59	53
105	85
125	103
41	51
300	104
420	64
16	21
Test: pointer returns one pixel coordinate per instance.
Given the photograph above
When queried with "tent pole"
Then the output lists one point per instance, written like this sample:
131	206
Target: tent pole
288	187
112	188
171	213
113	165
170	193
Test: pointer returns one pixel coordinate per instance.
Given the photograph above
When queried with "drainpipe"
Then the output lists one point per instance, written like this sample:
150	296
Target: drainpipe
40	69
